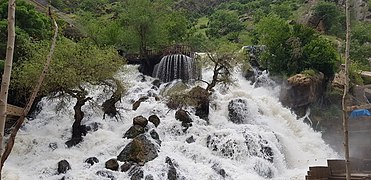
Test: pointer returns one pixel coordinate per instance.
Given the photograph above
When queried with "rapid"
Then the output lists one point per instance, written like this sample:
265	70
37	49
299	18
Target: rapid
271	143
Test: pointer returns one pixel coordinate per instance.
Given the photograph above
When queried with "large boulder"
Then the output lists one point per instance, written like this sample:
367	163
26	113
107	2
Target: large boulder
141	121
63	166
302	90
201	101
140	150
134	131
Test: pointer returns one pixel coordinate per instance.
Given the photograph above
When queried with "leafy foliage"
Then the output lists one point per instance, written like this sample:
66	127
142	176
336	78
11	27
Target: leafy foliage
333	19
73	64
224	23
35	24
294	48
30	26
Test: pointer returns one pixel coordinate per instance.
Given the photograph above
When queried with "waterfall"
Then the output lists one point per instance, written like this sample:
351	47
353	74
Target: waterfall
175	66
269	143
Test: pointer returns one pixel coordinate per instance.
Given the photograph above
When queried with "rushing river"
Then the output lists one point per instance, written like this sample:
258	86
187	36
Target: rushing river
237	149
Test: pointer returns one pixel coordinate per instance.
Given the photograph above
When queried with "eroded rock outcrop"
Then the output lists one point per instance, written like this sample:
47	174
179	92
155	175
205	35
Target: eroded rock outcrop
302	90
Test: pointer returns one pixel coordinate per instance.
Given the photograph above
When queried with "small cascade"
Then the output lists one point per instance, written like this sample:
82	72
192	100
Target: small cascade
176	66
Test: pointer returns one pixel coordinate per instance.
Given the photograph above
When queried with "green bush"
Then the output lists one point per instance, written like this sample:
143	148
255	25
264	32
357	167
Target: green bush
294	48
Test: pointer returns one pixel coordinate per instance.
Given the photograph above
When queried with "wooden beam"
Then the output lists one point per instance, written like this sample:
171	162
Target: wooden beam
14	110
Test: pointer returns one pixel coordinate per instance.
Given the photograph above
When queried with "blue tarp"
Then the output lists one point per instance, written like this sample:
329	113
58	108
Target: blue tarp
359	113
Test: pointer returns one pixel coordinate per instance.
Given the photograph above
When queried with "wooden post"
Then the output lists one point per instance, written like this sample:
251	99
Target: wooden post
346	90
7	72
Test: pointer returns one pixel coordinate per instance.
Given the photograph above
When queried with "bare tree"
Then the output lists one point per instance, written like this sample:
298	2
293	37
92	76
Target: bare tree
7	72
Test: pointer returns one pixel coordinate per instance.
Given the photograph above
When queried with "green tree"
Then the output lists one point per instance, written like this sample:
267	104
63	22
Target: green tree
145	24
331	16
360	48
321	56
283	10
103	32
35	24
294	48
273	33
30	26
74	64
222	23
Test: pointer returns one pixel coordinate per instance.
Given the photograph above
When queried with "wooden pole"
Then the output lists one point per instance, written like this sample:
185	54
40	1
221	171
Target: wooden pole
346	90
7	72
36	89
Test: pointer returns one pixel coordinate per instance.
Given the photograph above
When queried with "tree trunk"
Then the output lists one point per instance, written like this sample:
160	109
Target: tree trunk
108	106
7	72
77	129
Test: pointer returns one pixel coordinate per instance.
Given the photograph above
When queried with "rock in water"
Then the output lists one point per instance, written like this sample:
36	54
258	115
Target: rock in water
112	164
171	174
237	111
92	160
141	121
184	117
125	167
134	131
106	174
154	119
140	150
63	166
201	98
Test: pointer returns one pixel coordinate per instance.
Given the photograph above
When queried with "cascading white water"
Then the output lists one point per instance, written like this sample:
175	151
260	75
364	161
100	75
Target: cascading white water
175	66
270	143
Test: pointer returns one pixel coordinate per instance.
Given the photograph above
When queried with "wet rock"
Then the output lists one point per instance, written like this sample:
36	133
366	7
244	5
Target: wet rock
140	150
63	166
149	177
200	97
190	140
154	135
219	170
267	152
134	131
112	164
93	126
53	146
92	160
302	90
141	121
125	167
154	119
171	174
137	103
237	110
106	174
156	83
183	116
136	173
226	147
